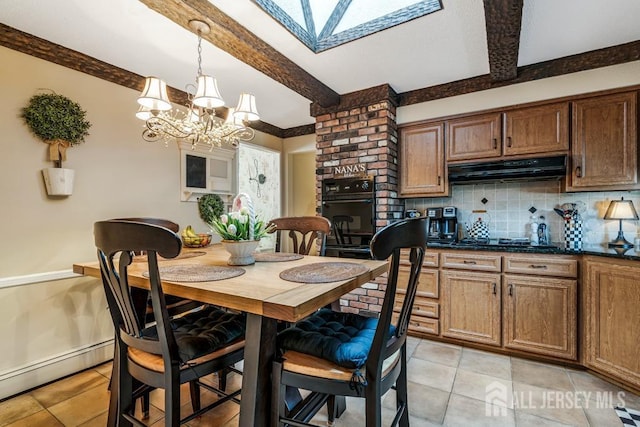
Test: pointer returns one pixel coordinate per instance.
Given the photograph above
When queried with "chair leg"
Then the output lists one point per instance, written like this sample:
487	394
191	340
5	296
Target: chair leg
222	378
278	391
401	389
125	396
336	405
194	389
373	406
172	404
146	405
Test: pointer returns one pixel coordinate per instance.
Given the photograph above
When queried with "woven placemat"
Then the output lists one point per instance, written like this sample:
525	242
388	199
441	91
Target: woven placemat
197	273
323	272
276	256
181	255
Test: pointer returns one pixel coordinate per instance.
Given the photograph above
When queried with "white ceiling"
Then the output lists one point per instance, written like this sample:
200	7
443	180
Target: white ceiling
438	48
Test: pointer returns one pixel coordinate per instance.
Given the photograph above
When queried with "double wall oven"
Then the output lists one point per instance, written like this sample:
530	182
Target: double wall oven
349	203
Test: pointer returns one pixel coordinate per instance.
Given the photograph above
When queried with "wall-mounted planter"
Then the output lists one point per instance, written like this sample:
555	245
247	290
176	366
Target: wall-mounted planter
59	181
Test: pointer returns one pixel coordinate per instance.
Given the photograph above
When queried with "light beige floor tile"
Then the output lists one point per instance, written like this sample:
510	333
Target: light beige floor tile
412	344
464	411
40	418
602	391
105	369
234	422
599	416
483	362
425	402
17	408
527	420
554	405
445	354
540	375
66	388
484	388
99	421
82	407
217	416
431	374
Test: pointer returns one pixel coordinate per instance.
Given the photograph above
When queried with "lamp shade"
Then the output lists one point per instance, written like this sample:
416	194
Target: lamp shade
232	119
621	209
143	113
154	95
207	93
246	109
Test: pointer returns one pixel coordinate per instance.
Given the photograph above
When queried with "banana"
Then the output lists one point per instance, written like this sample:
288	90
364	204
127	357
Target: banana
190	231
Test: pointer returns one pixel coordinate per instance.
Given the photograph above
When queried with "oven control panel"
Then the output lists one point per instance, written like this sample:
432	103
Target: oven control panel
362	187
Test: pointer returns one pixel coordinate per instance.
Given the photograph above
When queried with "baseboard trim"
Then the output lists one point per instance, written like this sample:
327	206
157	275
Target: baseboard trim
46	370
29	279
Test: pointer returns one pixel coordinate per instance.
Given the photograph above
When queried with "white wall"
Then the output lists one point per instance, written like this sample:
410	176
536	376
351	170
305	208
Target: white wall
58	327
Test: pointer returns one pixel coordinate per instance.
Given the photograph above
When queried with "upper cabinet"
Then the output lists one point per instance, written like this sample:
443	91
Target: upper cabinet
604	153
422	168
537	130
474	137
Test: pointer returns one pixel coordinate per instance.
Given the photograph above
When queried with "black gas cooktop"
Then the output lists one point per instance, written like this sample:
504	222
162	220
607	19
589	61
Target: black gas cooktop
510	242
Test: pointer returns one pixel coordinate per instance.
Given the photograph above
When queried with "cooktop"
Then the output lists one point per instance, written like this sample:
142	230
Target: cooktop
515	241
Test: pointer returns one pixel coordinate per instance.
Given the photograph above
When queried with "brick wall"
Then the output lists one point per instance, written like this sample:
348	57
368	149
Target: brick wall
355	137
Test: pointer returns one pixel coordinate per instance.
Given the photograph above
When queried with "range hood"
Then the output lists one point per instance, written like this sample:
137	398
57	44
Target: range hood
509	170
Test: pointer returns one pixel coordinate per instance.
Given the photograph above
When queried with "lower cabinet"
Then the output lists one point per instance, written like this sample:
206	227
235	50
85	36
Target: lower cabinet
471	306
611	318
540	315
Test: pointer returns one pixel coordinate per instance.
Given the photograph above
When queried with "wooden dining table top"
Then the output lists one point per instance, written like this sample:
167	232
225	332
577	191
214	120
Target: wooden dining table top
260	290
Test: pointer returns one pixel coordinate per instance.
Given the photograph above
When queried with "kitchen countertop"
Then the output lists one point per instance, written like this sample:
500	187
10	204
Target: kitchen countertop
556	248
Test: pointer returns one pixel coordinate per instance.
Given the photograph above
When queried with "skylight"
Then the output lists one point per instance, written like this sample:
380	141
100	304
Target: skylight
324	24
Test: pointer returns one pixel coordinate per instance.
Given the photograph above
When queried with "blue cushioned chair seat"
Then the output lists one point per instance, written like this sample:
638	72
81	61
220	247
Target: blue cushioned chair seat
203	331
342	338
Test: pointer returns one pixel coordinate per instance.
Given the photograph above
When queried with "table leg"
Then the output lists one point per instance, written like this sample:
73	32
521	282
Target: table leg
259	351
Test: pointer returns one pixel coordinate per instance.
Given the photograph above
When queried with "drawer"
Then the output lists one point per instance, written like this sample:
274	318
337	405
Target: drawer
421	325
421	307
463	260
541	265
430	258
428	282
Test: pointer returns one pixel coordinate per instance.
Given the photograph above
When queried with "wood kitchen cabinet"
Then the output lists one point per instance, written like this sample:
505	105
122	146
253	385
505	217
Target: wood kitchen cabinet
422	167
471	306
604	153
611	318
540	315
542	129
474	137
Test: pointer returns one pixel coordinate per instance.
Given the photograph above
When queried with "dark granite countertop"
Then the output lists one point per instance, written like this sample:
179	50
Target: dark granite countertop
557	249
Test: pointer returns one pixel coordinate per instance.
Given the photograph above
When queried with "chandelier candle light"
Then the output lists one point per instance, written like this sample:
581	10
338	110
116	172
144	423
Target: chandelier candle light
199	124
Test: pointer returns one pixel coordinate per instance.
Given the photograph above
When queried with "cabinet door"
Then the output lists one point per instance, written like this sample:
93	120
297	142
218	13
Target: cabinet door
422	170
428	285
611	316
474	137
540	315
604	144
537	130
471	306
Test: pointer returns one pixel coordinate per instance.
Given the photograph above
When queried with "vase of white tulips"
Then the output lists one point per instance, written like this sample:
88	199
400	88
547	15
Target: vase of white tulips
240	230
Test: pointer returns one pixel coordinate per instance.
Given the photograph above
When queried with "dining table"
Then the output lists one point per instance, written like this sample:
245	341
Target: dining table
264	295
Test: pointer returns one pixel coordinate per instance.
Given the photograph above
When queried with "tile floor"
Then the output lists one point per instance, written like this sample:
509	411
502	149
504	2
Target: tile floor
448	385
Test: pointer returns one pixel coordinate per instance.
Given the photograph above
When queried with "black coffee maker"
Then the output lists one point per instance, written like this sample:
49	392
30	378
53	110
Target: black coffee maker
442	224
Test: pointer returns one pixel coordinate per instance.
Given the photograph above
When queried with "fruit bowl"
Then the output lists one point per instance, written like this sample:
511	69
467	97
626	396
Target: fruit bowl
200	240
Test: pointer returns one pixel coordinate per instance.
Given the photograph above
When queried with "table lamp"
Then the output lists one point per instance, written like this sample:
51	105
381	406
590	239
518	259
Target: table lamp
621	209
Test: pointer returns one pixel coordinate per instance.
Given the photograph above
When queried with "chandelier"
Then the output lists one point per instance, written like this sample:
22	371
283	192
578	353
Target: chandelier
199	123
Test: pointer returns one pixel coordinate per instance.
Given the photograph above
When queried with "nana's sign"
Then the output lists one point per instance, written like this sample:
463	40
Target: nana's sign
347	171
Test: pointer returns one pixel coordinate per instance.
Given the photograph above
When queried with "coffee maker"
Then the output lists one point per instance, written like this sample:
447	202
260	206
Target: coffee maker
442	224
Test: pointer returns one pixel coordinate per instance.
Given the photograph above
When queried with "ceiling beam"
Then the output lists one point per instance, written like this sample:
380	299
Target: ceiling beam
569	64
503	19
40	48
239	42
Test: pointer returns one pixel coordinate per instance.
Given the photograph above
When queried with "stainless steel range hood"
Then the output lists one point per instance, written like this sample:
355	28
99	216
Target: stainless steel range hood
508	170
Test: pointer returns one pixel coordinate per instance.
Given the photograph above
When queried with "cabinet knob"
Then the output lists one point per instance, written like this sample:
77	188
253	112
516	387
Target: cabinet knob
578	172
495	288
439	179
495	143
509	141
469	262
510	289
538	266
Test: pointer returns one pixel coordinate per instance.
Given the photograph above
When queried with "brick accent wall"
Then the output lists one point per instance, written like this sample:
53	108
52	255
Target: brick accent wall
348	139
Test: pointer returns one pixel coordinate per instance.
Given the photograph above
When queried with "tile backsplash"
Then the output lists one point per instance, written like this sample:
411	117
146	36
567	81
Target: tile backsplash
508	206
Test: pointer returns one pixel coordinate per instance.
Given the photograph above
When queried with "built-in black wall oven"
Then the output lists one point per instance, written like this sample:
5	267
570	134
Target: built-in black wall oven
349	203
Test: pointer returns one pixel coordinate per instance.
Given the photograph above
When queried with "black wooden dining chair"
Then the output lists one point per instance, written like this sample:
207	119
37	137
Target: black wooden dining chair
172	351
344	354
303	232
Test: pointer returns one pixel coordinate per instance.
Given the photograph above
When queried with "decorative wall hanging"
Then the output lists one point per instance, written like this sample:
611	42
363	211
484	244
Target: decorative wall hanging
59	122
260	178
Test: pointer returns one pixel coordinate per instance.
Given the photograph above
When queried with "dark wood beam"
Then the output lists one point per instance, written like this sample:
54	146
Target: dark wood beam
299	131
239	42
569	64
503	19
40	48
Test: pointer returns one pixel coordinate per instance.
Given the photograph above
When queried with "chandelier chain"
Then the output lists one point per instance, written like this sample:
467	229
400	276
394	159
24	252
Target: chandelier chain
199	55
